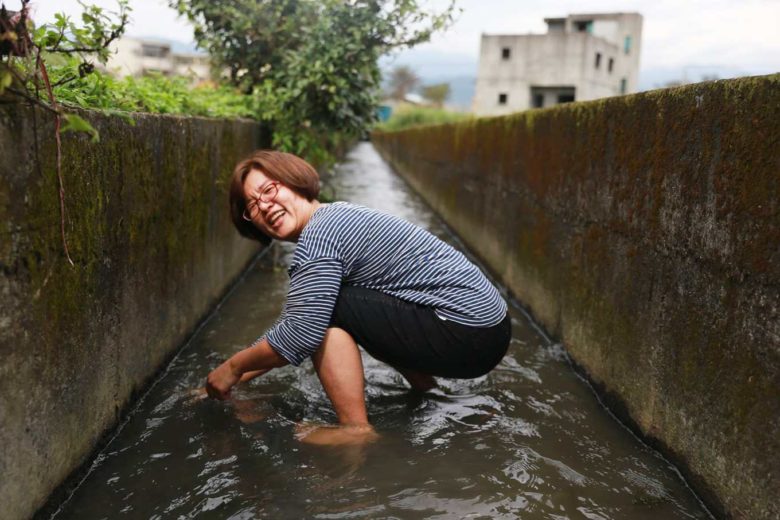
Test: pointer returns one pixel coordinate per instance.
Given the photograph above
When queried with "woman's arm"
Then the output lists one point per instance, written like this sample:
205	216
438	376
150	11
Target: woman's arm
314	287
248	376
257	358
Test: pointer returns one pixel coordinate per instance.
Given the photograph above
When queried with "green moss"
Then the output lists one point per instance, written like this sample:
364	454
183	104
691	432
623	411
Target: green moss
6	230
146	192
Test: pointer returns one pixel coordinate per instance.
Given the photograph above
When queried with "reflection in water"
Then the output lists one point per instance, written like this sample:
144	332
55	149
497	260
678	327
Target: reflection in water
528	440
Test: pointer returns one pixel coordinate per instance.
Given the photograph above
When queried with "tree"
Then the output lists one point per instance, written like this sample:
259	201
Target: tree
437	94
313	63
402	81
248	37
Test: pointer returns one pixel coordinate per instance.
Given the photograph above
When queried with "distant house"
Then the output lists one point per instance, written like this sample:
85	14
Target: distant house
581	57
141	56
388	106
410	98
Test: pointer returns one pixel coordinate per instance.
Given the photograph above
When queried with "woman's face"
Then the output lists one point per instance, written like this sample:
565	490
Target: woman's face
282	217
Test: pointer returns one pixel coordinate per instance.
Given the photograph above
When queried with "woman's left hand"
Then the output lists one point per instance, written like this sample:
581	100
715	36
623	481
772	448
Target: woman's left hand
221	380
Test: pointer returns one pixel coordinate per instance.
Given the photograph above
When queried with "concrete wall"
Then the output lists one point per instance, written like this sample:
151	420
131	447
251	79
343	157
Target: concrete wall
153	247
644	231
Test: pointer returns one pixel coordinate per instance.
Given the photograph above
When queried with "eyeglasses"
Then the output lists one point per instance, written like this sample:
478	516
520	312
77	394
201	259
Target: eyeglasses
267	195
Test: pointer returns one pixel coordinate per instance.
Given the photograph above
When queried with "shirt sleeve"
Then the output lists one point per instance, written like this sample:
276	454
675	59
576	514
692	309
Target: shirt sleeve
314	288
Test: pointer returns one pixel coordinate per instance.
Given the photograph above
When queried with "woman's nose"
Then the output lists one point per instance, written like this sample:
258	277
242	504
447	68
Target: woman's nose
263	205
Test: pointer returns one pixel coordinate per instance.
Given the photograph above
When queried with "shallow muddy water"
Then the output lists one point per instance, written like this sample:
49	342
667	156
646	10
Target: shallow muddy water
529	440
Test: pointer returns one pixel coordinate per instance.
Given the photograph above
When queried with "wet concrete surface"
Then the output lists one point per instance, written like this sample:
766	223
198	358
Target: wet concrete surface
529	440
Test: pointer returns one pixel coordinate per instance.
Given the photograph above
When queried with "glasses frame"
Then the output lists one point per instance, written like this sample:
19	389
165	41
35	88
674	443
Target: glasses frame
268	194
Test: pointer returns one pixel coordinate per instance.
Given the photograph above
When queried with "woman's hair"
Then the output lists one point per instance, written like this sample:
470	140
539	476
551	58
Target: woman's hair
286	168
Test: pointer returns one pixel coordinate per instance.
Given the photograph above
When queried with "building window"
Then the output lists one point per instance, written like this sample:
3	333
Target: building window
506	53
584	26
154	51
149	71
623	85
627	45
598	59
502	98
556	25
610	65
549	96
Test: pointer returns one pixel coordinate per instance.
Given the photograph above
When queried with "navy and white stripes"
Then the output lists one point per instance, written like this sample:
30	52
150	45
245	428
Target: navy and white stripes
348	244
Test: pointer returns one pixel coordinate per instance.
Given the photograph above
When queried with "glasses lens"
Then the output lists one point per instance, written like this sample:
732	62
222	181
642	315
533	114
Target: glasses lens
269	193
250	212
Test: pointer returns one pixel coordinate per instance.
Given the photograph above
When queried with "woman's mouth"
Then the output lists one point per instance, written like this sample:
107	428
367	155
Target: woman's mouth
275	217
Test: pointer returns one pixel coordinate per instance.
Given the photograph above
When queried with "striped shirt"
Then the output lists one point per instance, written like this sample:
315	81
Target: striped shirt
347	244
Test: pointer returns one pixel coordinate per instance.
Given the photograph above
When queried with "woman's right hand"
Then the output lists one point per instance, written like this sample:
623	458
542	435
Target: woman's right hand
243	366
221	380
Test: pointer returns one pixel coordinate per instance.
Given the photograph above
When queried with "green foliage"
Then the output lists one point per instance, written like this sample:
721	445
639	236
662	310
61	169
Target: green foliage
417	116
98	28
306	67
248	37
67	47
155	93
36	61
6	79
312	62
74	123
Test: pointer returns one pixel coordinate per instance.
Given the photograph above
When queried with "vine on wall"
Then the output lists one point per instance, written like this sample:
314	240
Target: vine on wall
27	54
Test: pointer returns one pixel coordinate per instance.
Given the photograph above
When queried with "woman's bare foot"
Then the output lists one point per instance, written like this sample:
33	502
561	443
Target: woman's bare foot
250	411
419	381
335	435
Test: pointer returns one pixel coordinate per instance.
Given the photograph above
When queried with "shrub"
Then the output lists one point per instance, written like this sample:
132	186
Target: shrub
417	116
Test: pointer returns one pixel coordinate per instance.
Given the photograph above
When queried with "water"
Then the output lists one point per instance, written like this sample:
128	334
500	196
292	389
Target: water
529	440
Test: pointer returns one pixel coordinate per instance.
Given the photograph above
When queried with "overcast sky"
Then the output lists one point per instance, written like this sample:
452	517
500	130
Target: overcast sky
692	37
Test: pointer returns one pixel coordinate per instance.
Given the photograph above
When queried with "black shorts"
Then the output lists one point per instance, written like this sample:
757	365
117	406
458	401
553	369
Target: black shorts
411	336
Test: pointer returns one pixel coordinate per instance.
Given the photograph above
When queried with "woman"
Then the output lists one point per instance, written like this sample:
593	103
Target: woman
359	276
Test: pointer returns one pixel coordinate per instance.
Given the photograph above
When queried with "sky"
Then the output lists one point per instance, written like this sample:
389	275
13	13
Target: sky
681	38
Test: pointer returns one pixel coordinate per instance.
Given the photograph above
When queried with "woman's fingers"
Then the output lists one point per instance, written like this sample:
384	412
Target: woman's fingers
214	392
220	381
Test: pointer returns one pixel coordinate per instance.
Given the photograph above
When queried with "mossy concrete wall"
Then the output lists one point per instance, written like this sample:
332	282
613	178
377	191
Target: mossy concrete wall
153	247
644	232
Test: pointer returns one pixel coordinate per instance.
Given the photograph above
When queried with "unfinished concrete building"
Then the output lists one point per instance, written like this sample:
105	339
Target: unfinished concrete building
581	57
141	56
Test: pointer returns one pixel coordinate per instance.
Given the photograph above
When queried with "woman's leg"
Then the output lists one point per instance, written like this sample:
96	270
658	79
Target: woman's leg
340	370
338	365
418	381
415	341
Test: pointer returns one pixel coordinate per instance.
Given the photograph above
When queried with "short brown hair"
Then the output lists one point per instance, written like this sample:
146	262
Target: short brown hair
286	168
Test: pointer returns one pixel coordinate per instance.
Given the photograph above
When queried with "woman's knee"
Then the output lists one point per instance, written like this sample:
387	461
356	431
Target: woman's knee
335	339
